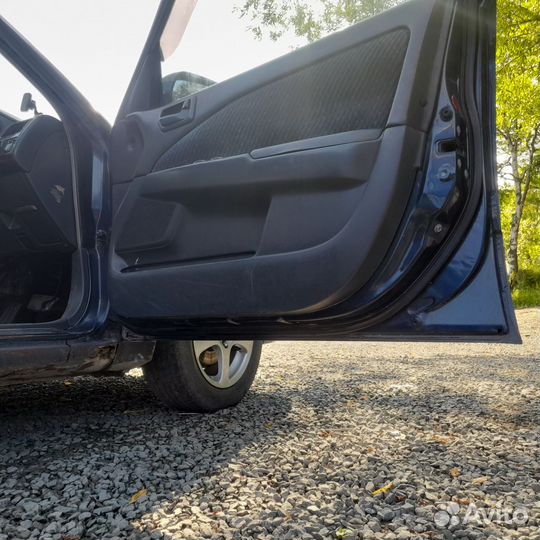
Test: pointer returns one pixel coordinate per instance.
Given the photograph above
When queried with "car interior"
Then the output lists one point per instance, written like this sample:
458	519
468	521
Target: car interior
37	224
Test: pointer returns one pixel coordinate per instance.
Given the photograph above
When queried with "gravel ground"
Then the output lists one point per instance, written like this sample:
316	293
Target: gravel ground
450	432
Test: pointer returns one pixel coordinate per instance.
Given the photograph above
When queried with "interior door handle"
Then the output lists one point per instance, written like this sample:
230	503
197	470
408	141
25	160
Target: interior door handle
177	115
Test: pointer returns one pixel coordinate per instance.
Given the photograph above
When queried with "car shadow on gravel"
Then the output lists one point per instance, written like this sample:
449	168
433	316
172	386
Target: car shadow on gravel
89	444
37	409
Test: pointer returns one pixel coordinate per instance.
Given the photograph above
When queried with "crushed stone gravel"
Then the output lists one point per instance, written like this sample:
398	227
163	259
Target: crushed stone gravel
335	440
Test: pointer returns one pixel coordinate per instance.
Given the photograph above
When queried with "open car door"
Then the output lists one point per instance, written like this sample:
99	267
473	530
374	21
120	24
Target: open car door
346	190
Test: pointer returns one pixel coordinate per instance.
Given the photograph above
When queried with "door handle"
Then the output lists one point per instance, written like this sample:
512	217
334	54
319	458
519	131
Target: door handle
177	115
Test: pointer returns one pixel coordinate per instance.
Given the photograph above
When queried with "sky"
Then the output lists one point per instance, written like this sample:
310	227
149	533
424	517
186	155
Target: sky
96	45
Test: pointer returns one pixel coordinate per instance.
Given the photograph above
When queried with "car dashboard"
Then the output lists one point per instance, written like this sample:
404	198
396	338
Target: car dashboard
36	197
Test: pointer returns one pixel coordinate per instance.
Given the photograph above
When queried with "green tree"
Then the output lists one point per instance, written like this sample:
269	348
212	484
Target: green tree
518	113
518	83
527	287
309	19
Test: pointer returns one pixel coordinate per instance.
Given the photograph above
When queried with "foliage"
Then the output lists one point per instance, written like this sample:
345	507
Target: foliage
526	291
529	239
518	68
518	116
309	19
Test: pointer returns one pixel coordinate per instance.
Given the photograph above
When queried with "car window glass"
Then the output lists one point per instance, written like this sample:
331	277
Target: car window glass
95	44
223	39
11	94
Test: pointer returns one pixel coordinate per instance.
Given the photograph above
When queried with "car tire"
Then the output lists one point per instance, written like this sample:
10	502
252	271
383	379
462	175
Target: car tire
202	376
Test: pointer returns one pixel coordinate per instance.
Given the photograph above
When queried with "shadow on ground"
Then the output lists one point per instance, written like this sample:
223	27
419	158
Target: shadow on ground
87	445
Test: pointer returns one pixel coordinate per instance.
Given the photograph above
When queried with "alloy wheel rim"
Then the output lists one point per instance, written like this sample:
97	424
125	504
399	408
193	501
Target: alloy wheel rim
222	363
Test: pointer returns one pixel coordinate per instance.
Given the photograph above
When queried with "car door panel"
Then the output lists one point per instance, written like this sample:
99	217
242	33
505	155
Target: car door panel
265	189
321	174
273	227
307	196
